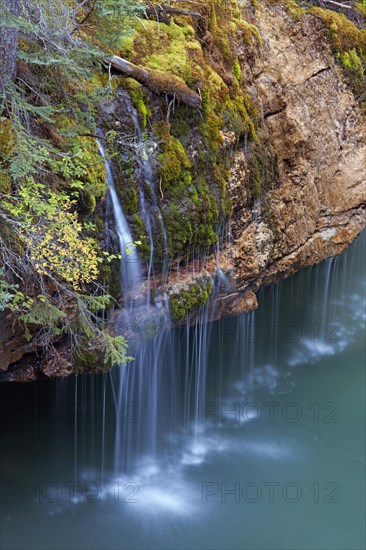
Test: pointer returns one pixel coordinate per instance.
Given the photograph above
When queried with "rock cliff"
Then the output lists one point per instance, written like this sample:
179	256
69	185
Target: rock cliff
313	204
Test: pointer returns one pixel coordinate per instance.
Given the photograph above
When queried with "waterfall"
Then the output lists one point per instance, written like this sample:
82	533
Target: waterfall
130	265
146	178
136	389
158	402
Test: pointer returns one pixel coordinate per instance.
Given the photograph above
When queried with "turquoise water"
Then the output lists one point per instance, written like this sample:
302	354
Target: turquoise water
248	433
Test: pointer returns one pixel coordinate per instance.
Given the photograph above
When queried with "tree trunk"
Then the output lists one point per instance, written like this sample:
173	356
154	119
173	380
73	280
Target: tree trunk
8	41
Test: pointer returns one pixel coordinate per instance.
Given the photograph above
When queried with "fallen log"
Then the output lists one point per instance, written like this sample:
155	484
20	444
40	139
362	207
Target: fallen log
164	13
158	81
338	4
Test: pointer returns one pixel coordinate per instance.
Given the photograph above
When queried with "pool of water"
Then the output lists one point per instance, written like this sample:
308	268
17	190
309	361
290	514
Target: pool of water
240	434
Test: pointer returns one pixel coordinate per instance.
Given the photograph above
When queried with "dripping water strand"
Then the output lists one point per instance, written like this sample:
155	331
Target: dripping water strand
75	428
130	266
143	158
103	427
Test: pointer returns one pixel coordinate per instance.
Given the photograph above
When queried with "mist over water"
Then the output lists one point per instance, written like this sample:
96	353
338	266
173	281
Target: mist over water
244	433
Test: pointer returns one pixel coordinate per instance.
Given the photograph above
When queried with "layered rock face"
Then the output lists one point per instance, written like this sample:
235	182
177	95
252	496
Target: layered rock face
317	205
312	203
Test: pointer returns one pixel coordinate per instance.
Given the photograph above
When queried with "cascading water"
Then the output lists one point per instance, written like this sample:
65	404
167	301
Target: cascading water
136	386
130	264
142	390
146	178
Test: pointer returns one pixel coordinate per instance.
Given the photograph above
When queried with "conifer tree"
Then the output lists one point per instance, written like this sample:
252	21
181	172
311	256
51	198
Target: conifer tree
9	10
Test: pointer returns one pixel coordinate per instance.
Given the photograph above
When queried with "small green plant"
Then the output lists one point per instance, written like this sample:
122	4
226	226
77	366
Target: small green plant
7	291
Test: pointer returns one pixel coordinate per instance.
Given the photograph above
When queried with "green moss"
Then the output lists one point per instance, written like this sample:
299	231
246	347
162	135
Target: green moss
343	33
250	32
138	97
195	296
196	205
126	46
361	8
349	45
214	95
5	182
225	48
212	20
238	120
237	70
177	220
353	66
170	49
87	201
181	122
128	195
174	162
193	166
210	131
221	175
191	215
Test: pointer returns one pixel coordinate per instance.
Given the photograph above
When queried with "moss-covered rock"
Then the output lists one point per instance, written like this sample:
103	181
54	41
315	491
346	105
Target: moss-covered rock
349	45
344	34
191	164
138	96
354	69
174	165
191	298
170	49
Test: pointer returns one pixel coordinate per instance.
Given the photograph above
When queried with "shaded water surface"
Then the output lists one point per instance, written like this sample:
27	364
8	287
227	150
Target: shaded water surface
239	434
